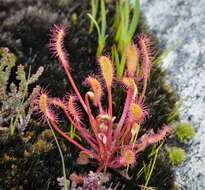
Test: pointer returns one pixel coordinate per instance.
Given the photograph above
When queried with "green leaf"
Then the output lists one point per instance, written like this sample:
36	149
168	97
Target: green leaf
94	5
103	18
135	19
95	23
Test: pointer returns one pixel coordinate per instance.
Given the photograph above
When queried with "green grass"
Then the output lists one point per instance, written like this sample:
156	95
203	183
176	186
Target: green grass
101	29
125	26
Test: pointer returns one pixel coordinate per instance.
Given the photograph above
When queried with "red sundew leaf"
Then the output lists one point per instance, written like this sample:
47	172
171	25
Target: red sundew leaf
73	110
56	44
106	70
132	59
43	107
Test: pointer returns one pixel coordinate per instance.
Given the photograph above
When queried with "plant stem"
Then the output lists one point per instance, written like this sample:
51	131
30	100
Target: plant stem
54	125
75	89
61	155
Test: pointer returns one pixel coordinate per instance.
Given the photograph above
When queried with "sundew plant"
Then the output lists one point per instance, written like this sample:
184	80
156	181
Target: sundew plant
111	142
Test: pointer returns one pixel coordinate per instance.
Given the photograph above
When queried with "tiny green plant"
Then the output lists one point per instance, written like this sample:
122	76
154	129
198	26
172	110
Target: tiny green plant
176	155
184	132
101	29
113	143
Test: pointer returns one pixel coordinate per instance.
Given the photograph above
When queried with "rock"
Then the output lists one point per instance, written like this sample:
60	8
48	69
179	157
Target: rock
182	23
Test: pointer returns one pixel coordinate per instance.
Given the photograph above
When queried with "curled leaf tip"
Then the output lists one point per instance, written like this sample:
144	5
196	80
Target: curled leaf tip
96	88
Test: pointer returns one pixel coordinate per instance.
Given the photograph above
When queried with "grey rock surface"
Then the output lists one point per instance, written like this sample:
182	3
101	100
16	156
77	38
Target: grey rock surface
182	22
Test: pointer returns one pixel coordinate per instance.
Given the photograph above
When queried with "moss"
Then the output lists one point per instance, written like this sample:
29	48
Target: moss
184	132
42	146
28	37
177	156
30	165
6	158
47	134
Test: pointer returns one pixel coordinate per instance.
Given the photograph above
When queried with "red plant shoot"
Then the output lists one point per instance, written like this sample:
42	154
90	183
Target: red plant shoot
109	142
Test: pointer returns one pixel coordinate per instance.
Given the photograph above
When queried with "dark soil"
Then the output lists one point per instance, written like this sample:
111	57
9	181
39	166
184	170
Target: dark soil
25	29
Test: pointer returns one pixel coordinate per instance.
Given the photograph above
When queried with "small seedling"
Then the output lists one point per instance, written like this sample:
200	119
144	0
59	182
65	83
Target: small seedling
176	155
184	132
